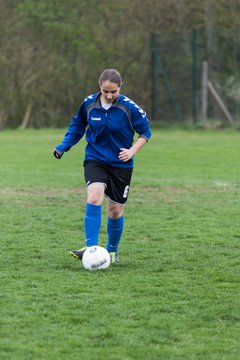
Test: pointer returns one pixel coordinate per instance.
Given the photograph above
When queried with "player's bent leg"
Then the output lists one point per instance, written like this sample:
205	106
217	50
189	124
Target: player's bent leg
115	227
115	210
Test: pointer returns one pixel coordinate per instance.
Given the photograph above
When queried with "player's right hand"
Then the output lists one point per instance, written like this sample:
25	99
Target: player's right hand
57	154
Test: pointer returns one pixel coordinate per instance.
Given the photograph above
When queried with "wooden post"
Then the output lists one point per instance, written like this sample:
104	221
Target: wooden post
220	103
26	118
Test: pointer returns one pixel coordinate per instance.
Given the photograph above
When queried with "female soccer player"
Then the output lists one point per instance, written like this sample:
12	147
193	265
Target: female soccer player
109	120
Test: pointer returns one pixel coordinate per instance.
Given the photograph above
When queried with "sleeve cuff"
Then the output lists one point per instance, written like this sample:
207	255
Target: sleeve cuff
144	137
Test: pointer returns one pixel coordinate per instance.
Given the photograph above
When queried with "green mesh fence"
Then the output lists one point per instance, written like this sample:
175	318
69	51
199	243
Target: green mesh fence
195	75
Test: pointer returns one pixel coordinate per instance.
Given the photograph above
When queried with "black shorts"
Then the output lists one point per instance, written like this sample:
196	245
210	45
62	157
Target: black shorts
116	180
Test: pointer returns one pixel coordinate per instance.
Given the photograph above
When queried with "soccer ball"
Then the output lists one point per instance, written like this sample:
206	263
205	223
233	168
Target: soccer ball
96	258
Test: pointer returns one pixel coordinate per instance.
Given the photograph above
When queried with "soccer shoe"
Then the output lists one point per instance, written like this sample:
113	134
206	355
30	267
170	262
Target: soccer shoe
78	254
114	258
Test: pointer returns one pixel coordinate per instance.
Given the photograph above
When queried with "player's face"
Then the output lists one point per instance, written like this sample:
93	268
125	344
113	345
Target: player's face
109	90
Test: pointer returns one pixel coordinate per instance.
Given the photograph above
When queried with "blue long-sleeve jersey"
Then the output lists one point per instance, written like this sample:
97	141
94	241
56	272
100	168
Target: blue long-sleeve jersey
106	130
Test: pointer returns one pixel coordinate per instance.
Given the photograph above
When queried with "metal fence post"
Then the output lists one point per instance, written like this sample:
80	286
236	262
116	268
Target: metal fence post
194	75
154	75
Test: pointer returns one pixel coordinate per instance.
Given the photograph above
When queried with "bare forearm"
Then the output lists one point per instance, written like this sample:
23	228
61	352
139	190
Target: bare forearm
138	145
127	154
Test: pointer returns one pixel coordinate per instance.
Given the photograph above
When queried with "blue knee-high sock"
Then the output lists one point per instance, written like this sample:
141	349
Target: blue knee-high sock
92	224
114	229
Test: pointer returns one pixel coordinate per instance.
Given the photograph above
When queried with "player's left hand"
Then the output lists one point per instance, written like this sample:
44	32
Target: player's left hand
125	154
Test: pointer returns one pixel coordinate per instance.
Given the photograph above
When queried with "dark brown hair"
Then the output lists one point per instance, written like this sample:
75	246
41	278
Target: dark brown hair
111	75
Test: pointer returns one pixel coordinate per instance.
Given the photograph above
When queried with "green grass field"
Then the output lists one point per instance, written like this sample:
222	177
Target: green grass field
176	293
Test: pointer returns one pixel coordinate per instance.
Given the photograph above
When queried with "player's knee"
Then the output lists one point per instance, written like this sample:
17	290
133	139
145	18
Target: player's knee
115	213
95	195
94	199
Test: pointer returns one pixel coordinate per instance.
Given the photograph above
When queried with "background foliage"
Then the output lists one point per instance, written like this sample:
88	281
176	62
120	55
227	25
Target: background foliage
52	52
